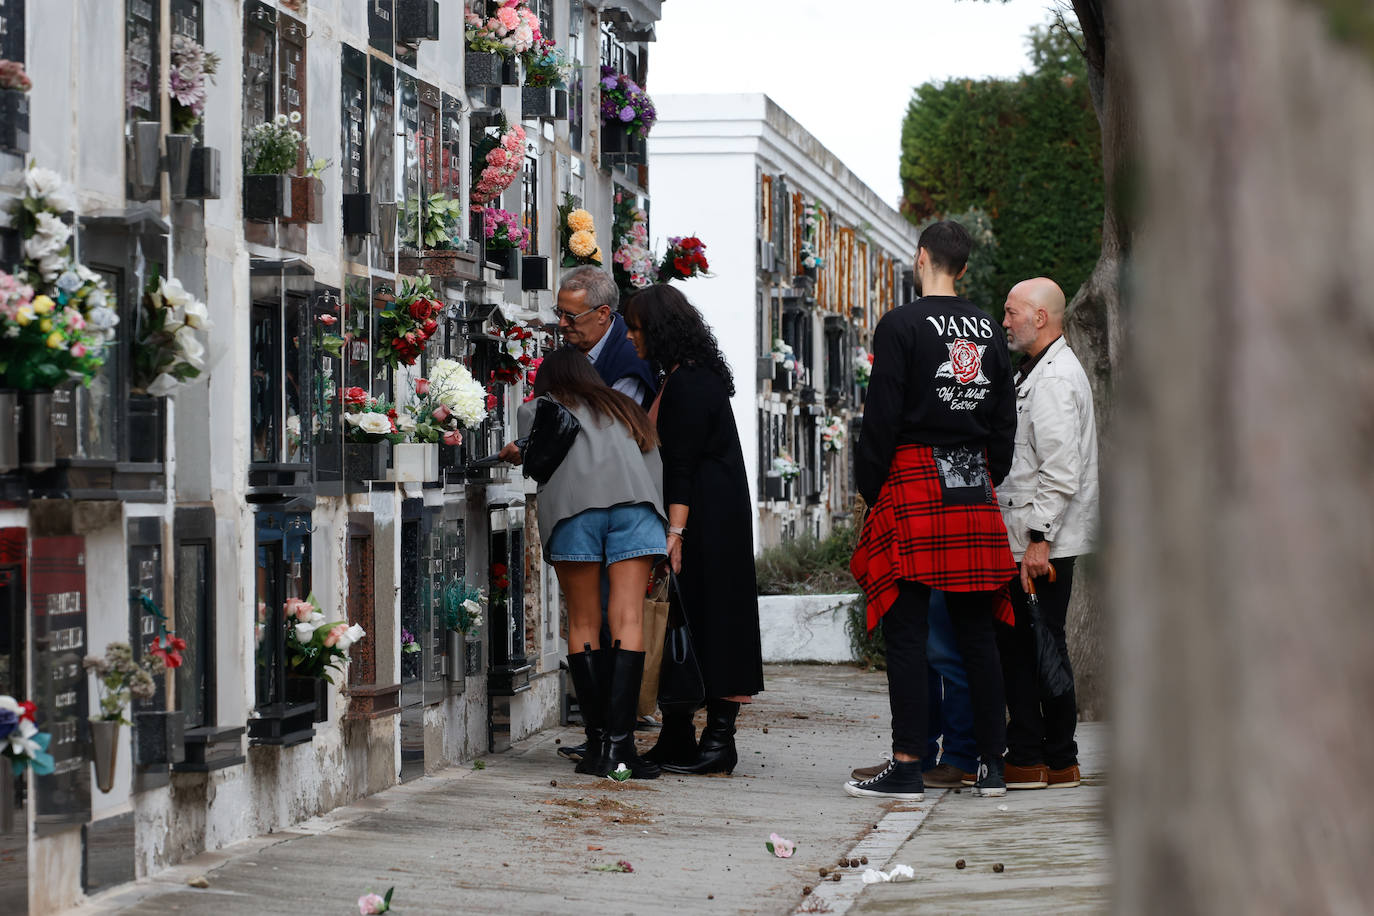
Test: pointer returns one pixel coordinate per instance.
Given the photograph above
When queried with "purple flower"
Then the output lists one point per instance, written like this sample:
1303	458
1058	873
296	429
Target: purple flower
608	82
627	113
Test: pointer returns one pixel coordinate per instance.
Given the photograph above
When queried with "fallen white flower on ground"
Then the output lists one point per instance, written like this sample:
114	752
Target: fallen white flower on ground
898	873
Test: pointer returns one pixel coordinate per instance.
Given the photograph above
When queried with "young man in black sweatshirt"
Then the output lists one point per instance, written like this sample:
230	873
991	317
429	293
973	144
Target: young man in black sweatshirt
939	423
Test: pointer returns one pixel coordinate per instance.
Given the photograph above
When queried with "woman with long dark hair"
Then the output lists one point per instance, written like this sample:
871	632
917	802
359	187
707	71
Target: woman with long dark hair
603	506
710	524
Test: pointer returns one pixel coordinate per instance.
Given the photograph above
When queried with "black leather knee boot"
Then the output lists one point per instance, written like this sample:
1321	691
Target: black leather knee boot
627	669
585	671
716	751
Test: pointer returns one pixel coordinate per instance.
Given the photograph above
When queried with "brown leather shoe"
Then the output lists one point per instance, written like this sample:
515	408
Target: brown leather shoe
1033	777
863	773
1067	778
946	776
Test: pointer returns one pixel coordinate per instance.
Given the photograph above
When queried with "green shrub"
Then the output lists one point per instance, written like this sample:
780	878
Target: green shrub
870	649
809	565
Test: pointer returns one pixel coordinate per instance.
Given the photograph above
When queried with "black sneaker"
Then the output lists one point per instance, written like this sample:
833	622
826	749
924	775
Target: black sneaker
990	782
901	779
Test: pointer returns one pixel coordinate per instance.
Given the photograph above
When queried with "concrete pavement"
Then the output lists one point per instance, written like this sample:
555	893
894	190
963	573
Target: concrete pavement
525	834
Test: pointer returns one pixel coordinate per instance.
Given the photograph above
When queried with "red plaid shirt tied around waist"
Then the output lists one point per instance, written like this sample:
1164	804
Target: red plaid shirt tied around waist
914	532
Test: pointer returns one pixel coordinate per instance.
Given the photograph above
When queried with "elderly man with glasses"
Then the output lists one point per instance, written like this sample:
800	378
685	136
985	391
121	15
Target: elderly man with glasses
587	299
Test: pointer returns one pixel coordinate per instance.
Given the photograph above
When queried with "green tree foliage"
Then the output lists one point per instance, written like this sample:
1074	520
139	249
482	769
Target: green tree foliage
979	282
1027	152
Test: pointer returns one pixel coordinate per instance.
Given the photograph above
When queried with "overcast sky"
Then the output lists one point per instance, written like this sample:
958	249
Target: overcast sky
844	70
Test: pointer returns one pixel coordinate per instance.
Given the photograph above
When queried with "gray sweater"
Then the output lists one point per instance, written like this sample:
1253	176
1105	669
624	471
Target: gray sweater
604	468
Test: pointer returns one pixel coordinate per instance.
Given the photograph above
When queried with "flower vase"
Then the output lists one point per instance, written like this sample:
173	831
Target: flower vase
104	751
455	650
365	460
534	272
506	261
37	450
307	199
6	798
9	430
536	101
309	690
414	462
266	197
482	68
179	147
615	137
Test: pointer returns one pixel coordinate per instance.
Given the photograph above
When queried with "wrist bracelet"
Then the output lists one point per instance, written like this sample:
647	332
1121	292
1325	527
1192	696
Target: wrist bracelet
678	531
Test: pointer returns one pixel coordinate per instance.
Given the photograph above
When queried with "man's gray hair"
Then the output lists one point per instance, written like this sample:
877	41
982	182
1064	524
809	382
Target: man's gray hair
597	283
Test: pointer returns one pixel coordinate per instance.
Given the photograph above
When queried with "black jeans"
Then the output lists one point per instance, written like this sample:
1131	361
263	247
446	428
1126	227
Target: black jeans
1041	728
905	630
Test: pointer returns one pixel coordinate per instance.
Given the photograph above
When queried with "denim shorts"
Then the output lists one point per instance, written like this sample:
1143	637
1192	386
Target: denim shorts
609	535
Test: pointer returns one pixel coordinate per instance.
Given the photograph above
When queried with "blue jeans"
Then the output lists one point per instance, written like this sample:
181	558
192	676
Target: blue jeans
948	700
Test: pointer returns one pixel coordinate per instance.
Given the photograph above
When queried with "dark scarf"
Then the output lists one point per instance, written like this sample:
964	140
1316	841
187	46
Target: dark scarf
618	359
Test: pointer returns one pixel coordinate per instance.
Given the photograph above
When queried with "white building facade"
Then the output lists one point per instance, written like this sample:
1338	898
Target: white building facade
124	512
805	259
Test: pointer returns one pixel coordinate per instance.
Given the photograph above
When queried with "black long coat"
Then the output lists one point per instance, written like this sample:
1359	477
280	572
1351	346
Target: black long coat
703	468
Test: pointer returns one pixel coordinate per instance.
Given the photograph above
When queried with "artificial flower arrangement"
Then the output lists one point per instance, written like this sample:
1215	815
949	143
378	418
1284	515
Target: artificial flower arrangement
168	351
510	27
632	263
811	215
863	366
369	420
532	373
409	644
447	402
577	234
56	315
119	679
463	606
12	76
191	65
500	586
515	355
272	147
785	466
431	222
20	739
168	646
833	435
314	644
546	66
783	355
683	260
370	904
409	323
503	156
624	102
502	230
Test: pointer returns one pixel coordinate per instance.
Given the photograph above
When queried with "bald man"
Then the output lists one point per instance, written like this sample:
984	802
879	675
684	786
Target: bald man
1049	504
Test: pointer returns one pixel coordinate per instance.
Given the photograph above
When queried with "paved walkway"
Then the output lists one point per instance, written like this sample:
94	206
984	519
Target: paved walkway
527	835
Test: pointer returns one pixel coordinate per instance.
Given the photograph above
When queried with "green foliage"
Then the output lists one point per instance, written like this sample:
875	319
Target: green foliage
979	282
1027	152
870	648
431	222
809	565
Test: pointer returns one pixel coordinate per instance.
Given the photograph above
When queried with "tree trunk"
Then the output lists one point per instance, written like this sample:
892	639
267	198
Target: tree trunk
1093	326
1241	504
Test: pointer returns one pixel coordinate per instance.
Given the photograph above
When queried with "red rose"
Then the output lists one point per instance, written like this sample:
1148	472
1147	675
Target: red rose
491	402
683	266
355	397
429	327
419	309
965	360
498	569
691	242
27	710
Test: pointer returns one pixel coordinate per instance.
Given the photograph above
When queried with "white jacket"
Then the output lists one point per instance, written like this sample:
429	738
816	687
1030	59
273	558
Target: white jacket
1052	485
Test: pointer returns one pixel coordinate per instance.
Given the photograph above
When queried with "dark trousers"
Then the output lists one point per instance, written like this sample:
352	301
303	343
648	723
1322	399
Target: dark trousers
951	708
905	629
1041	728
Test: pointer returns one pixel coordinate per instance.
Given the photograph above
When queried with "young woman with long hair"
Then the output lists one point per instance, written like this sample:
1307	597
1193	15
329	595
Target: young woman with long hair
710	523
603	506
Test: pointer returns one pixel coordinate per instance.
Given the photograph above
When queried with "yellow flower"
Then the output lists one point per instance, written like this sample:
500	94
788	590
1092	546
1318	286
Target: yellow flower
45	325
55	340
42	305
582	243
23	315
581	221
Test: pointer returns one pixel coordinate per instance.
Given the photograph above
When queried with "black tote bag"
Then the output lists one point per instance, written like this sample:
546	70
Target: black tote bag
551	435
680	683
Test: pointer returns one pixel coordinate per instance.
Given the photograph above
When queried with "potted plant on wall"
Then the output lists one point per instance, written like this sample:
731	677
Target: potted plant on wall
14	106
501	155
408	324
684	259
118	680
504	240
463	609
577	234
545	93
168	350
270	151
445	404
316	649
369	428
431	242
508	29
22	746
191	66
56	315
811	262
307	191
627	115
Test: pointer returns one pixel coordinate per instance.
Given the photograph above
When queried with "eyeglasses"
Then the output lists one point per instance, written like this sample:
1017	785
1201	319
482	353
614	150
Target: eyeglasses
571	317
